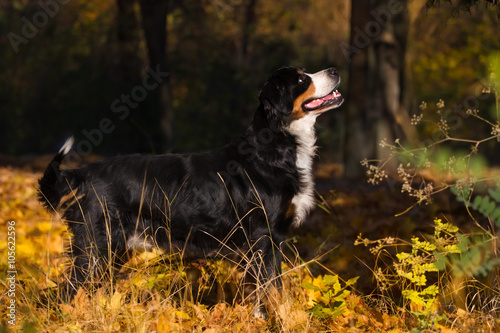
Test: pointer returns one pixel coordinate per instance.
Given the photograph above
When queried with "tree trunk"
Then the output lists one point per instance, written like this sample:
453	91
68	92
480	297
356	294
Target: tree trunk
154	18
355	146
375	109
129	42
248	28
243	60
129	75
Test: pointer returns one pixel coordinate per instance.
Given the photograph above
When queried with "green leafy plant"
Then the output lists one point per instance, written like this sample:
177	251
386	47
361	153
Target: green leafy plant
488	204
416	272
473	257
330	296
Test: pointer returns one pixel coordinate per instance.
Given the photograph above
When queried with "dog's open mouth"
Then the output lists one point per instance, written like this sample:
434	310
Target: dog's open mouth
332	100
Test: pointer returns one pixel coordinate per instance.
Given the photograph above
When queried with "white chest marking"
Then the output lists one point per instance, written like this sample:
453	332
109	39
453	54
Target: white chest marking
303	129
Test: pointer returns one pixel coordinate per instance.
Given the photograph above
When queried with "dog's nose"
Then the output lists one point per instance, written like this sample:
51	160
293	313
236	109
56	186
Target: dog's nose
332	71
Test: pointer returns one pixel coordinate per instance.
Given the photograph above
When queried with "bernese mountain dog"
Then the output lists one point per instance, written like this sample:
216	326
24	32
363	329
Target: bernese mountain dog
240	199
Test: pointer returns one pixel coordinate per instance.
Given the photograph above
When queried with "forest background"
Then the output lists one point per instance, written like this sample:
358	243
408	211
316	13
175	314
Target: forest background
67	65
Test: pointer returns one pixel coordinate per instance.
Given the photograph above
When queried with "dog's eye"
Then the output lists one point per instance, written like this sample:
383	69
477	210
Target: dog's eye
301	79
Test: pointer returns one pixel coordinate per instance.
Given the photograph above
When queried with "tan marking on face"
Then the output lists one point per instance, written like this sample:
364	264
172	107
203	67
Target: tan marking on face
297	111
290	212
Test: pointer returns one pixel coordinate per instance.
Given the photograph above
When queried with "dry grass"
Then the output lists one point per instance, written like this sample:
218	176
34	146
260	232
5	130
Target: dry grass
159	293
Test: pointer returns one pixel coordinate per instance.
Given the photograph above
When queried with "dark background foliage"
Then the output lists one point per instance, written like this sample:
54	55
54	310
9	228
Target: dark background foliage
62	79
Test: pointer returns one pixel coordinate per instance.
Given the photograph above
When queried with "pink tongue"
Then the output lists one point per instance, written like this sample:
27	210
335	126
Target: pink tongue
314	104
317	102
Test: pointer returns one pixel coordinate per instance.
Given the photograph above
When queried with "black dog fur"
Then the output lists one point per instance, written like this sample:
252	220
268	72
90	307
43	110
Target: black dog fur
241	198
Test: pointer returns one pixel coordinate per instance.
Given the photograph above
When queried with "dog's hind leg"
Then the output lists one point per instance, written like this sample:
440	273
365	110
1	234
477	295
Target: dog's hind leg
94	253
88	264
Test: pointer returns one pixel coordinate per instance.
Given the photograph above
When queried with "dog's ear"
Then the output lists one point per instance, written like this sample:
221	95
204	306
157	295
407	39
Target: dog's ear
276	98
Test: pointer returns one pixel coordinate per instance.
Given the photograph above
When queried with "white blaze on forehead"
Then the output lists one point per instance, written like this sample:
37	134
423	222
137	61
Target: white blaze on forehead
322	82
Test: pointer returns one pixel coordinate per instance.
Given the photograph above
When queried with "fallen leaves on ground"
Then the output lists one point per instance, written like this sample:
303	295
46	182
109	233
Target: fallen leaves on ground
156	298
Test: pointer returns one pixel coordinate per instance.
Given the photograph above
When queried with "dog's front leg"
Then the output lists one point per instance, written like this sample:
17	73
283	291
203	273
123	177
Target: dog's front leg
264	270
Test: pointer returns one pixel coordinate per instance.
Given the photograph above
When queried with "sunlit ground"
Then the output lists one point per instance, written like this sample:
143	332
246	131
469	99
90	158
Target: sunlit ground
156	294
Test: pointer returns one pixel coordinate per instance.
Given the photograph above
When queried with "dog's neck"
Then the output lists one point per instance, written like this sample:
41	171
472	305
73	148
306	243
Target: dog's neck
302	132
305	135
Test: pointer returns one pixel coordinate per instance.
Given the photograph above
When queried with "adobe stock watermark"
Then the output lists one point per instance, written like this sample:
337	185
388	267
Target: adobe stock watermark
11	273
372	29
30	28
122	107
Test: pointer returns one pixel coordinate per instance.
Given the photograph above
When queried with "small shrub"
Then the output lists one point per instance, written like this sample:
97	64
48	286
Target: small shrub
411	270
328	296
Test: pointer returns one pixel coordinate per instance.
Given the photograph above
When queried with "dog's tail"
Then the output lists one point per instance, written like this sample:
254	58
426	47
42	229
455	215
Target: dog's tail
57	183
